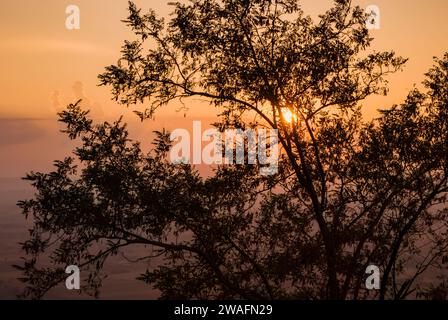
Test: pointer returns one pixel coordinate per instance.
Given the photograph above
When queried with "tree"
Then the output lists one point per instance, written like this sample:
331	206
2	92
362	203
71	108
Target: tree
348	192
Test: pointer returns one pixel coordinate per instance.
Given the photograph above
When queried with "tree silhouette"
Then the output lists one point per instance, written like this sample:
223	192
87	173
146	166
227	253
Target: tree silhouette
348	193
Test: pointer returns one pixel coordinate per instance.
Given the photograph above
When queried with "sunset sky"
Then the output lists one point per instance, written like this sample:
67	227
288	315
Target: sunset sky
44	67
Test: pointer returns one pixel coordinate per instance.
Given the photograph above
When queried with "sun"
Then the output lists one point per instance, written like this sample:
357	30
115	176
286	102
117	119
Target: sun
288	115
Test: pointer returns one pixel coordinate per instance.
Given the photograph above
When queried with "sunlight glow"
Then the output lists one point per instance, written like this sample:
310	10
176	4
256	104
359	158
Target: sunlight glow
288	115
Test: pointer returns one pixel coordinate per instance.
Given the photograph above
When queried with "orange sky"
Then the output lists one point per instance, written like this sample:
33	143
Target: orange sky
44	67
41	61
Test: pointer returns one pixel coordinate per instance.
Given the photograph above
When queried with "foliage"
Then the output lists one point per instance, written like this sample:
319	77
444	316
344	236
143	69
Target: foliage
348	193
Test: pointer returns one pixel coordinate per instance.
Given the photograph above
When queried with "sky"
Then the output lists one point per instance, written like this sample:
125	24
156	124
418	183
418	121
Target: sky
44	67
